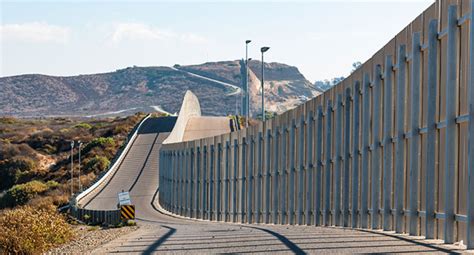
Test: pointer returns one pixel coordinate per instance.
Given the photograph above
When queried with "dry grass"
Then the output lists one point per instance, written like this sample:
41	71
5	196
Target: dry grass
28	230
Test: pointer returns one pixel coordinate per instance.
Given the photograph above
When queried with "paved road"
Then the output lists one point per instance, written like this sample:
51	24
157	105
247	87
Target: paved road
236	89
161	233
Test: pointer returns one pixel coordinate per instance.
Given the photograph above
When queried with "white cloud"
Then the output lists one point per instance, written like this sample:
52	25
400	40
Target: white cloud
140	31
36	32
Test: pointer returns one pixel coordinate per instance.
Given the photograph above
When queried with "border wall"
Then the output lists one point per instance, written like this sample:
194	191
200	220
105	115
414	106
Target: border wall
391	147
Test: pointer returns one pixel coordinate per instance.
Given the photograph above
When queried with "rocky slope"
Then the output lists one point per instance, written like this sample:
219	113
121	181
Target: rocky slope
149	88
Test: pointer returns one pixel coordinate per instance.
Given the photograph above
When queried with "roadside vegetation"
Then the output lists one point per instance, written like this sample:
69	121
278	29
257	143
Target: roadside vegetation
35	174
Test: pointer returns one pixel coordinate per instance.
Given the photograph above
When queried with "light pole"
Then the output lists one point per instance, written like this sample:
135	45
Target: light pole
72	168
263	50
80	184
245	93
248	95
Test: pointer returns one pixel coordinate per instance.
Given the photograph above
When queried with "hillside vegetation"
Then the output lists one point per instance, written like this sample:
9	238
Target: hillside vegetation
35	156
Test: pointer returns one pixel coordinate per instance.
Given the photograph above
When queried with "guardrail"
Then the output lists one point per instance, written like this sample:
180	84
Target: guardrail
115	162
111	217
391	147
94	217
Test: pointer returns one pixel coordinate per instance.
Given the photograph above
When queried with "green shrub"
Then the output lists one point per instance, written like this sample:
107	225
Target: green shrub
12	170
101	141
28	230
83	125
97	164
20	194
52	184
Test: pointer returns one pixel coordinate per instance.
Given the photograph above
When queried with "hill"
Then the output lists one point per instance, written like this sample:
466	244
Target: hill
35	155
147	89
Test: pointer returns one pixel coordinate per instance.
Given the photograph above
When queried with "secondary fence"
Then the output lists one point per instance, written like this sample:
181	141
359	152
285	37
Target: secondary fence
391	147
111	217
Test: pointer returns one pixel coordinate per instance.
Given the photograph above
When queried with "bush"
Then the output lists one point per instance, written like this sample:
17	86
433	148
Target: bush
52	184
20	194
12	170
101	141
83	125
28	230
97	164
8	120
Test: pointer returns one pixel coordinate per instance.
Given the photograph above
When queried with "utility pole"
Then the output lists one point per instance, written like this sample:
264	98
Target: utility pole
72	168
79	177
263	50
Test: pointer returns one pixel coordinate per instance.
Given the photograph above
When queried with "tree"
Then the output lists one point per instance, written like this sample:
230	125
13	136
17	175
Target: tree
355	66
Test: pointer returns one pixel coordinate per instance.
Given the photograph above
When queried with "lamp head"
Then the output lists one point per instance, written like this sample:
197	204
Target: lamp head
264	49
248	41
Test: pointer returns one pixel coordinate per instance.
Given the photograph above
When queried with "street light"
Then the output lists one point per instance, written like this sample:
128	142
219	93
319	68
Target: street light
245	93
248	96
72	168
80	184
263	50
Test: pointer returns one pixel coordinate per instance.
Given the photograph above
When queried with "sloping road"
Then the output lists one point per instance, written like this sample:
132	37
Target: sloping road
161	233
237	90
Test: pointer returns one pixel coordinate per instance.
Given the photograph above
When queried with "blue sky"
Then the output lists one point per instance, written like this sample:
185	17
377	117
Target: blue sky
321	38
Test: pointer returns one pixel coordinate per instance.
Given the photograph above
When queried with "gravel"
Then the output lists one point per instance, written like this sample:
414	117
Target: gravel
88	238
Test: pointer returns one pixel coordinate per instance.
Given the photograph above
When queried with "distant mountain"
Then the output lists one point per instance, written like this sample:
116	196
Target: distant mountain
152	88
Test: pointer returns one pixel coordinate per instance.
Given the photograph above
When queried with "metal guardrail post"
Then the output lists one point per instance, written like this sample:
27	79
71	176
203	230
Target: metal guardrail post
470	191
364	201
205	183
220	182
234	180
199	208
258	203
337	163
243	179
399	190
387	144
284	175
301	170
327	168
318	183
267	178
309	167
415	139
347	156
450	143
227	181
376	95
274	178
355	157
174	174
211	215
186	183
432	98
192	194
291	186
179	183
250	179
160	176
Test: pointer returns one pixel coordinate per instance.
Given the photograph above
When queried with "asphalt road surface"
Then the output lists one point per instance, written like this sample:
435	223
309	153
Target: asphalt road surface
162	233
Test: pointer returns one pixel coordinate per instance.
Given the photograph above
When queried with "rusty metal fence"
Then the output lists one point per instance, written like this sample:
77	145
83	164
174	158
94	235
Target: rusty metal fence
391	147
